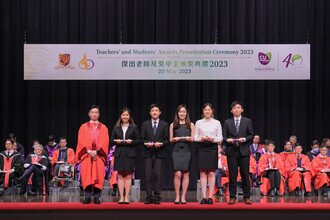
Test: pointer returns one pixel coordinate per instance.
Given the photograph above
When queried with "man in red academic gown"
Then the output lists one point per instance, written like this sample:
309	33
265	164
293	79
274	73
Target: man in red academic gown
10	164
298	168
62	156
321	171
271	169
92	151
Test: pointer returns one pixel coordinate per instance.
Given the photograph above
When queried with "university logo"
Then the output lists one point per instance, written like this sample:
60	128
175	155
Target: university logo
64	61
264	58
294	60
86	64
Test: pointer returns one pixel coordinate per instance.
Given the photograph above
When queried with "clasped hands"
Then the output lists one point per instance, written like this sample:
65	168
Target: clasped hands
152	144
239	140
207	139
120	141
188	138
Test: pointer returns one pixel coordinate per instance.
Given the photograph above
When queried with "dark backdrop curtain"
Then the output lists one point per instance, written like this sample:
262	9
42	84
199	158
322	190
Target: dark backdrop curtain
34	109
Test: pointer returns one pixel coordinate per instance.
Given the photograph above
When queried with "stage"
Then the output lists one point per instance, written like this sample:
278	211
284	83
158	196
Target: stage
69	207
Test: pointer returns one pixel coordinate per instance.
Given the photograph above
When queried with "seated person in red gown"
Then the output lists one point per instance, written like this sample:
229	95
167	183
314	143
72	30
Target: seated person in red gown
62	156
321	171
221	174
271	169
287	151
298	168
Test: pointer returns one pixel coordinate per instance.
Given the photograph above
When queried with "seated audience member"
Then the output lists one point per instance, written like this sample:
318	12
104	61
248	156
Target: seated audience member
288	150
256	147
294	140
326	142
321	171
10	165
19	147
315	150
221	174
36	166
252	172
271	169
62	156
298	172
51	147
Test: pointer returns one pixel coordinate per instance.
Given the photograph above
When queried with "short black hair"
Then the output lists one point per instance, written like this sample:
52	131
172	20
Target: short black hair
234	103
35	140
323	146
62	138
154	105
298	145
51	138
285	142
315	142
94	106
268	142
10	140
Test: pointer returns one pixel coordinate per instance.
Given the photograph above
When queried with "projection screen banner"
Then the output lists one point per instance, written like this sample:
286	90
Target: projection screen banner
166	61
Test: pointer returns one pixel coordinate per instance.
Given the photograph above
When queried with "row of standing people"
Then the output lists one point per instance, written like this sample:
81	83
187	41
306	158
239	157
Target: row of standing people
93	147
155	136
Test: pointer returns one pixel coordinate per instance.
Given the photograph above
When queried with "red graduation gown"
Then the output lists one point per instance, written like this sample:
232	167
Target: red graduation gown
296	178
262	167
92	137
320	163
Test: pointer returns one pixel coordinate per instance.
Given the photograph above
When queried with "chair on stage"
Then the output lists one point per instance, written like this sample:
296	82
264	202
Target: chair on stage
65	175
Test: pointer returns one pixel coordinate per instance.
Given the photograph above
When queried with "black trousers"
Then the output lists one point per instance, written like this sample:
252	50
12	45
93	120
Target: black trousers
89	190
40	177
153	171
274	177
243	162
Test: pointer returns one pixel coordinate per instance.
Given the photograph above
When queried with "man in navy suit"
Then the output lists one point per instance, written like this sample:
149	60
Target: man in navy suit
154	134
237	136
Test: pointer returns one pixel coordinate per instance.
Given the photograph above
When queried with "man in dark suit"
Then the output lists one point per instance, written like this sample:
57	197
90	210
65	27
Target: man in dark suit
238	134
154	135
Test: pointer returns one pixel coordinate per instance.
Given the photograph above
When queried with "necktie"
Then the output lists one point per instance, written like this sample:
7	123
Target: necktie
237	125
62	155
298	161
154	127
271	164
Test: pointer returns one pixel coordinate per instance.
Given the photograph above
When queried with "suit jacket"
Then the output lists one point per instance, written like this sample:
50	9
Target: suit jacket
245	131
131	133
147	135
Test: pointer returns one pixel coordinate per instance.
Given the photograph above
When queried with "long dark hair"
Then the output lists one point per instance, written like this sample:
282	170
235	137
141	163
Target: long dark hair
176	122
131	121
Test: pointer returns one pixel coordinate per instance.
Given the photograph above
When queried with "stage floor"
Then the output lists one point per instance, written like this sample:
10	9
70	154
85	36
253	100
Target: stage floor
167	196
66	207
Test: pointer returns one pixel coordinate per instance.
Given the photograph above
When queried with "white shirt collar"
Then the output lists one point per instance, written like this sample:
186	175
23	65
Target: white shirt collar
10	152
157	121
239	118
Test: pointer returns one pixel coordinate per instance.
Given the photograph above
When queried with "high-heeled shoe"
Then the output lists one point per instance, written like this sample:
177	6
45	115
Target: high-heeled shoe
126	202
120	202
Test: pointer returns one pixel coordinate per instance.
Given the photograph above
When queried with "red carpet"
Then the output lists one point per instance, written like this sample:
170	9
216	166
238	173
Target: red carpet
47	206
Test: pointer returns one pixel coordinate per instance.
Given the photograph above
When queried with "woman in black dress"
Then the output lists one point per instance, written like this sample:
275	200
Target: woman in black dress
208	133
181	135
125	136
